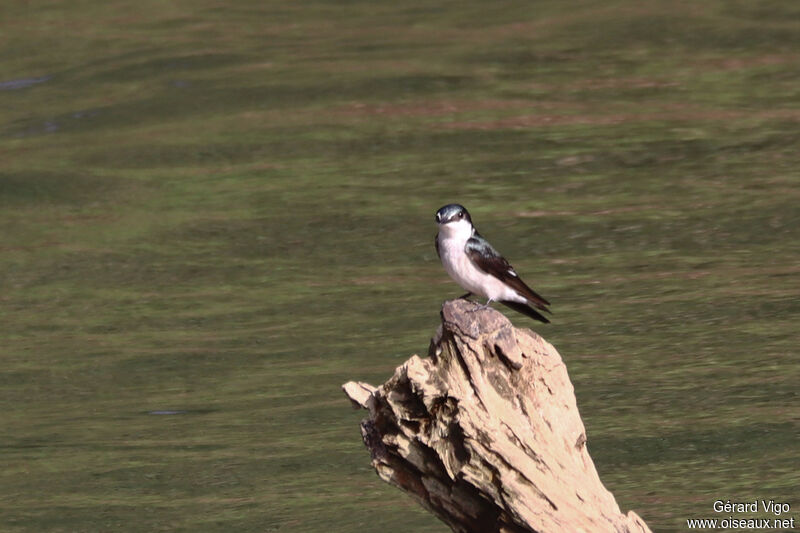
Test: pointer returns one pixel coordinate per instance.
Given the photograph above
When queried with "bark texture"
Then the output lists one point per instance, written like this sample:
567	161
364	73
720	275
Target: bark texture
485	432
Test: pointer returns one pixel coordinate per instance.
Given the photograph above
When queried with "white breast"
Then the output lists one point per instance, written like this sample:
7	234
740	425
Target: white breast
452	239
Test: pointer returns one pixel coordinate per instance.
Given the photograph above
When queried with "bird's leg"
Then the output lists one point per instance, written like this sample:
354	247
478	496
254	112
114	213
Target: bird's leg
482	307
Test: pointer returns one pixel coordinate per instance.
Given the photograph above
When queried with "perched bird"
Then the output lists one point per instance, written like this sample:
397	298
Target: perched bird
475	265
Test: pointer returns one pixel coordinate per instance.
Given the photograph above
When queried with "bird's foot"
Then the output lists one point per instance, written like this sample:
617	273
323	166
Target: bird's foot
481	307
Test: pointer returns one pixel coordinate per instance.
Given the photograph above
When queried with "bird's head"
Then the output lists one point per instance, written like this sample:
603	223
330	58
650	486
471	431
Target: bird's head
454	218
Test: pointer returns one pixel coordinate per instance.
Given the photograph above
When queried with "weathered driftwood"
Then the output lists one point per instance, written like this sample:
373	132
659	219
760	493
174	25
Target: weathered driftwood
485	432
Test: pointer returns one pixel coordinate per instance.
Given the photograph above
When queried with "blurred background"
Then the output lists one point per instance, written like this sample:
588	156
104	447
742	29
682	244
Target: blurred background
213	214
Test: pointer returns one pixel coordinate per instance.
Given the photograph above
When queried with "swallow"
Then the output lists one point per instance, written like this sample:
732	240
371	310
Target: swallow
476	266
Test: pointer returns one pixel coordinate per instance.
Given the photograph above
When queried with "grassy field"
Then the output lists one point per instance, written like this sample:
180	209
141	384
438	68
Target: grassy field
225	210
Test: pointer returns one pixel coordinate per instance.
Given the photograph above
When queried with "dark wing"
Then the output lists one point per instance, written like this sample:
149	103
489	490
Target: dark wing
525	310
436	242
485	257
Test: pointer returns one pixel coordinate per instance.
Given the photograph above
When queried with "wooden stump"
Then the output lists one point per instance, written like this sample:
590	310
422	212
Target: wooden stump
485	432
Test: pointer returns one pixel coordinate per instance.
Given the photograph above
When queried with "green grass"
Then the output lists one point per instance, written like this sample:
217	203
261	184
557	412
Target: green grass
227	209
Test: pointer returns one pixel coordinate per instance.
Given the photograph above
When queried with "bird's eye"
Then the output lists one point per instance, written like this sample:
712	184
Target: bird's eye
460	214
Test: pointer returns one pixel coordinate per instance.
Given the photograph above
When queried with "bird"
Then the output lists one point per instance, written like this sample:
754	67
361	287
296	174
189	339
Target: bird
476	266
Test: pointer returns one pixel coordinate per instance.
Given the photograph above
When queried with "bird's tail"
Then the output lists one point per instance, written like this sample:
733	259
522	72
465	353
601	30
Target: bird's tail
525	310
